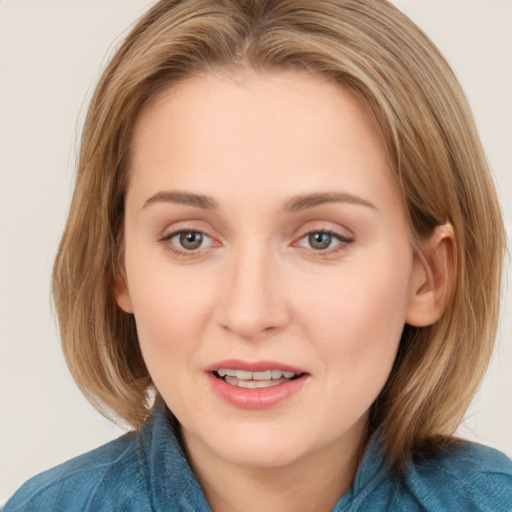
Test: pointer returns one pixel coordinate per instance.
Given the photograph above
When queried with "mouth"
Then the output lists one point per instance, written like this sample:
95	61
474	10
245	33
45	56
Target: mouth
255	380
255	385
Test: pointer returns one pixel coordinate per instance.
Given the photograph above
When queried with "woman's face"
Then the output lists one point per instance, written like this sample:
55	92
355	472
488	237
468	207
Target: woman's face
267	264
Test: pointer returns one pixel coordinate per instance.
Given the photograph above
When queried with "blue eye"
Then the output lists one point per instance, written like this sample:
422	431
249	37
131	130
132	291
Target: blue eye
323	240
189	240
320	241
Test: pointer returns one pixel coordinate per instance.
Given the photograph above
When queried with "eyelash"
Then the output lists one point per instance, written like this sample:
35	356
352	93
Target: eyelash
173	248
343	242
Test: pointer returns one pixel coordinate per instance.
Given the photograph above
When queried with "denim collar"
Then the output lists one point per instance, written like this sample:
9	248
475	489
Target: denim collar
174	487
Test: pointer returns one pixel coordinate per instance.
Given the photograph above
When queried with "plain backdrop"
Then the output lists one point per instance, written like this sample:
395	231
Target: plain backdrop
51	54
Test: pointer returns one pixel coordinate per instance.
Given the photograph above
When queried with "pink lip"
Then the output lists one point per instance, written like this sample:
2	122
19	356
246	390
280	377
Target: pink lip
253	366
259	398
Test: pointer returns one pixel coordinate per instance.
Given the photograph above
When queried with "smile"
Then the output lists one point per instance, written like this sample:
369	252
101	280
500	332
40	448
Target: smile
251	380
255	385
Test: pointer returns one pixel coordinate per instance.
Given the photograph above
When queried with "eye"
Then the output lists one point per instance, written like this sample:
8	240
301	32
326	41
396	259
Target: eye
323	240
188	240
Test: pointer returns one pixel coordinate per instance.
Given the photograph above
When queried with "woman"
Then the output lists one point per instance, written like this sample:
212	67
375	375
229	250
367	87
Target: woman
282	266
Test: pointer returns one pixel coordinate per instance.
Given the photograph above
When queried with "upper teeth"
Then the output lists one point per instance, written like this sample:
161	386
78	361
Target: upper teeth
245	375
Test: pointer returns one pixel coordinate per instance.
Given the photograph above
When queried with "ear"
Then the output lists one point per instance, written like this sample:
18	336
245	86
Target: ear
122	293
433	278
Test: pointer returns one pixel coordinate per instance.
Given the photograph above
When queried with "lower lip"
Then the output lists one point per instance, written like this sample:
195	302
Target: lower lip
256	398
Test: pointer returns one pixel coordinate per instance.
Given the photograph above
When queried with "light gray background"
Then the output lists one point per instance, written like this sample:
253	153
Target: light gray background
50	56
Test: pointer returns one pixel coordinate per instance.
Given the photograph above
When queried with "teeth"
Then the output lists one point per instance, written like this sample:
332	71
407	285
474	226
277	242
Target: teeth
263	376
223	372
252	384
266	375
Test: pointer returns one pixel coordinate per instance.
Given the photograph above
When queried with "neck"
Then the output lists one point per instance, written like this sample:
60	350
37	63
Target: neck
314	483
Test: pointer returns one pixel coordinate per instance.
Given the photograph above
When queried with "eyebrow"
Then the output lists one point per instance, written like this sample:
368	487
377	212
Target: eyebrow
295	204
196	200
303	202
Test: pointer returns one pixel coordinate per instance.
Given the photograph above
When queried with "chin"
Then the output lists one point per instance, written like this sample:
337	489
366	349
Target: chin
260	454
249	445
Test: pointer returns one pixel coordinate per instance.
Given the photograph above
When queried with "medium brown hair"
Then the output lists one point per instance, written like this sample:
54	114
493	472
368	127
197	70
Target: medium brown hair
371	48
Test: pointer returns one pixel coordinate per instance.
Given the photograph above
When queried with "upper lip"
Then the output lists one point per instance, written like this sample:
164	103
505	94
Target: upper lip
253	366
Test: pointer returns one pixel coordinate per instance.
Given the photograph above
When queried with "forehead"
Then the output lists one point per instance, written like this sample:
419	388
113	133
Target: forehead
283	126
303	103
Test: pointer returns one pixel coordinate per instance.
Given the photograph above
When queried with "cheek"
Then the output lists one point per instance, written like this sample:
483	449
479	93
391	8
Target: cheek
357	315
170	315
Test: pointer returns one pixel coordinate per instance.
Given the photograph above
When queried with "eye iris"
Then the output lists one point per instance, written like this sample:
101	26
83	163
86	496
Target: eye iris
191	240
320	241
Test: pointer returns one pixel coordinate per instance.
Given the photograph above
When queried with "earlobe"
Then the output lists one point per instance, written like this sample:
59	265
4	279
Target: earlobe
433	278
122	294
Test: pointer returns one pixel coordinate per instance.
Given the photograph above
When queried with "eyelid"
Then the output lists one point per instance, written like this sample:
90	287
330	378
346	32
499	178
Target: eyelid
186	224
343	236
172	234
166	240
324	226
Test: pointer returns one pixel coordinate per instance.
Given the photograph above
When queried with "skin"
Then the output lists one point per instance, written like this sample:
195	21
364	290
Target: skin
256	289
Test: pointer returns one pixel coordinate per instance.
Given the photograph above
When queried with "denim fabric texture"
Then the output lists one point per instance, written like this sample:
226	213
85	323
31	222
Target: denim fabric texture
147	471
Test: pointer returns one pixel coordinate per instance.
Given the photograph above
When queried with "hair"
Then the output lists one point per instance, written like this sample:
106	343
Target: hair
368	47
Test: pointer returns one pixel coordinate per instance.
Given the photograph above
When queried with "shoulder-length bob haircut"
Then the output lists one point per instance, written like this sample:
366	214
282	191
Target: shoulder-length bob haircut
367	46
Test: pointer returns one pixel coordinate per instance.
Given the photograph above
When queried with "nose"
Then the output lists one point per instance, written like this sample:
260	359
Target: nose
252	301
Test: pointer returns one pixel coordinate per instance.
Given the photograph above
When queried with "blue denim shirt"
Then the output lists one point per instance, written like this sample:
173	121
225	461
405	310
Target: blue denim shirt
147	471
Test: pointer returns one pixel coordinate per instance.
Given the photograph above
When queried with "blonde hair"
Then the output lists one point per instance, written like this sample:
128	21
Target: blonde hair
373	49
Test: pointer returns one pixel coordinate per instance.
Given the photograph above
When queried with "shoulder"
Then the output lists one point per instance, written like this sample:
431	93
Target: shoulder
98	480
467	477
